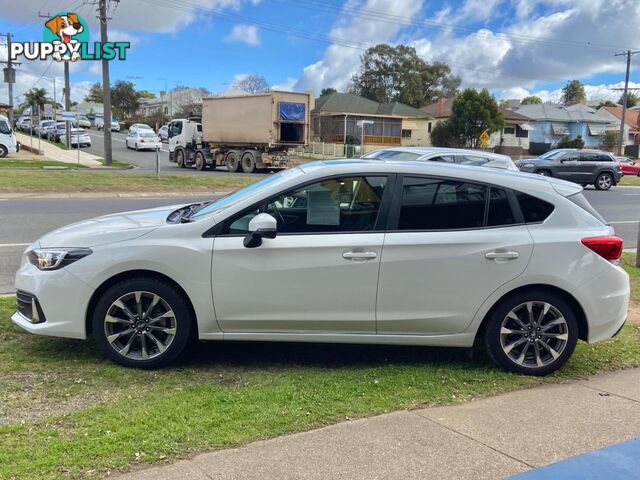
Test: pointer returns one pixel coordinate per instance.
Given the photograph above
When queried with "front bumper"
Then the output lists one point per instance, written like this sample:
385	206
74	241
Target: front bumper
605	300
62	299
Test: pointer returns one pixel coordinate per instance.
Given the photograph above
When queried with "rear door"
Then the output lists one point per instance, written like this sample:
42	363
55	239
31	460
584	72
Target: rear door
588	166
450	244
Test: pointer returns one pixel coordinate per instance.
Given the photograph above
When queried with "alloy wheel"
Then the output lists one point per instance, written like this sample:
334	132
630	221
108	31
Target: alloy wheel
604	182
534	334
140	325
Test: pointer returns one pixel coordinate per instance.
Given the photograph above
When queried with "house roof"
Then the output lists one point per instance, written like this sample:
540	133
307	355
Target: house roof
439	109
348	103
549	112
630	116
515	117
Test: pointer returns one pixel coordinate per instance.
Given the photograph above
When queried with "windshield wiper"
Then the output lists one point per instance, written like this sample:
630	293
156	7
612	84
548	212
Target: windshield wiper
183	214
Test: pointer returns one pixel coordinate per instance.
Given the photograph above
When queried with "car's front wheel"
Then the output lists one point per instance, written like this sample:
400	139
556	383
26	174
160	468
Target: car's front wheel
532	332
142	322
604	181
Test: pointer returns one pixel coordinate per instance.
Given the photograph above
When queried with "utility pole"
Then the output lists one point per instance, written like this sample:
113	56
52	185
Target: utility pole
106	84
10	77
628	54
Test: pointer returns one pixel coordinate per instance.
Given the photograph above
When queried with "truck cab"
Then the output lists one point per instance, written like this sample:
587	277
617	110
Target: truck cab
185	138
8	142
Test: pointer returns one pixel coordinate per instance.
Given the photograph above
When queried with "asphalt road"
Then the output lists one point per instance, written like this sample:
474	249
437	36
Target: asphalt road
25	220
145	160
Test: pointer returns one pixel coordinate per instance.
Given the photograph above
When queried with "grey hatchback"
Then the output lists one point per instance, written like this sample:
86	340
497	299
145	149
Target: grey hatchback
586	167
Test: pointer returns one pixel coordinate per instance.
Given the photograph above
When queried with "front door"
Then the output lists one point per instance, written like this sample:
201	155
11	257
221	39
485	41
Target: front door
319	275
446	254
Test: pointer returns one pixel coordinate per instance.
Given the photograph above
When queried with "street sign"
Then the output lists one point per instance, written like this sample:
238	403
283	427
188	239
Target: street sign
48	110
69	115
484	138
360	123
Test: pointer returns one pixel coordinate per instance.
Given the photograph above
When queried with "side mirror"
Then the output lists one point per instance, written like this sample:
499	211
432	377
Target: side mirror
261	226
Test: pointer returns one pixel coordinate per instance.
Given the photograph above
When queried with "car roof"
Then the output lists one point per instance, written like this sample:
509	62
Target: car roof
440	150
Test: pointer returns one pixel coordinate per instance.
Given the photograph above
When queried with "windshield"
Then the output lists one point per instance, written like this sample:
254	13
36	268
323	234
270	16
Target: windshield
552	154
4	127
231	199
393	155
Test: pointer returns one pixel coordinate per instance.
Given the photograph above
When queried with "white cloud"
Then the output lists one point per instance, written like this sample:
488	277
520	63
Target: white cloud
339	63
287	85
594	92
248	34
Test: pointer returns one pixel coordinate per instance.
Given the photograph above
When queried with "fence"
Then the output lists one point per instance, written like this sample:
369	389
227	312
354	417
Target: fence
324	150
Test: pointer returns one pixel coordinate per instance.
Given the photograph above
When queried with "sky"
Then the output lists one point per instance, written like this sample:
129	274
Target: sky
512	47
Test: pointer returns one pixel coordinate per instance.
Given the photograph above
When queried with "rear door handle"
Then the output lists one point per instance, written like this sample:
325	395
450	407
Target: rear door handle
359	255
501	255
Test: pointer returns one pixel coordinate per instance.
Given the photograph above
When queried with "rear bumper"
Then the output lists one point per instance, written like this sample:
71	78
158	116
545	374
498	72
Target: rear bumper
605	301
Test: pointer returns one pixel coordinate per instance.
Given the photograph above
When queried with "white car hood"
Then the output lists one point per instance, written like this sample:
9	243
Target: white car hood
108	229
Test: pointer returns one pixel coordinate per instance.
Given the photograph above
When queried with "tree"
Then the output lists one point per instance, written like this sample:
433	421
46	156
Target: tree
472	113
95	93
531	100
607	103
632	99
398	74
327	91
124	98
609	140
35	96
573	92
145	94
442	135
252	84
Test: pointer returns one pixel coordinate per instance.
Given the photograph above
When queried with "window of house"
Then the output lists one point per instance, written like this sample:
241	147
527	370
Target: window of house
433	204
406	133
509	130
521	133
349	204
429	127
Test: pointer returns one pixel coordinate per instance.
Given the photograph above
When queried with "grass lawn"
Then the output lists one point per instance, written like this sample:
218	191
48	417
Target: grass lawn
38	164
70	181
630	181
65	412
116	163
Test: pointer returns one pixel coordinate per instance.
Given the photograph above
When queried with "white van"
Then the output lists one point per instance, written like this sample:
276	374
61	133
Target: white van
8	142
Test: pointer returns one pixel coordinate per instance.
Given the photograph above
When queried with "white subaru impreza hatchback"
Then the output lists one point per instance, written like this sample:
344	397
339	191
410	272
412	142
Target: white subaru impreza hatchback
356	251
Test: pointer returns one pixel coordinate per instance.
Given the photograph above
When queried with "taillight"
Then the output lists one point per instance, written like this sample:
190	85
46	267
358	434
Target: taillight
609	248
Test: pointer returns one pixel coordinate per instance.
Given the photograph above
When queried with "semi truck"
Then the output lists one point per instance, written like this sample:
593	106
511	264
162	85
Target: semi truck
242	132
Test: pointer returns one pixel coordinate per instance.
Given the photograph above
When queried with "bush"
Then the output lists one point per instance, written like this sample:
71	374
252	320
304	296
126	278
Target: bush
442	135
575	143
609	140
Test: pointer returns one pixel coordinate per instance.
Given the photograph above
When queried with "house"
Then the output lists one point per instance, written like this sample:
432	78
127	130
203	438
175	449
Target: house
631	134
91	108
172	102
551	123
337	117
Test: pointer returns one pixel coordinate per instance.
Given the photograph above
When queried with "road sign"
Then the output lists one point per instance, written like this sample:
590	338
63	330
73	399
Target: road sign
69	115
48	110
484	138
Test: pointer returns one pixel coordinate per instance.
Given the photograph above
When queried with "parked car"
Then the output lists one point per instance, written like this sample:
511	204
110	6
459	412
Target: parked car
83	121
349	251
446	155
143	139
140	126
54	134
628	166
24	124
41	128
78	137
586	167
115	126
48	129
8	142
163	133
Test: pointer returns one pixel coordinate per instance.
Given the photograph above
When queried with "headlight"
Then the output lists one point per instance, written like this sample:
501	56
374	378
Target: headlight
55	258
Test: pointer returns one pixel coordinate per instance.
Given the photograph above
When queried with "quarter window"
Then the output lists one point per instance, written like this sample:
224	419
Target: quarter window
349	204
533	209
432	204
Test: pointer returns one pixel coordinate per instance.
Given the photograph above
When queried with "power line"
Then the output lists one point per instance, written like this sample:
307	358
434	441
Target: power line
627	54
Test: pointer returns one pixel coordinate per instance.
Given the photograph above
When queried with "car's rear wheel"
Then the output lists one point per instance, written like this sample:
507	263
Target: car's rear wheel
532	332
604	181
142	322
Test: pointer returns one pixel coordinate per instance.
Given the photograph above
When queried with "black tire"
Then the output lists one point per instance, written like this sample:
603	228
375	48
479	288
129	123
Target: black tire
493	338
180	158
4	151
248	162
604	181
233	162
136	147
183	319
544	173
200	161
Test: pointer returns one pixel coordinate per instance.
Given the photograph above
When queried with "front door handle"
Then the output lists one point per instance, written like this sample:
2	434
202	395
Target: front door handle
501	255
359	255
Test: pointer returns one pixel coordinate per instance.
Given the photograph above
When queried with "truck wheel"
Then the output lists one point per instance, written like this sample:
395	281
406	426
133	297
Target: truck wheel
248	162
232	161
180	158
201	164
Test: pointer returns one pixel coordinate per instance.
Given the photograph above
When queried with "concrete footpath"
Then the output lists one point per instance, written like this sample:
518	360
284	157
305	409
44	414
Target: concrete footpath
53	152
490	438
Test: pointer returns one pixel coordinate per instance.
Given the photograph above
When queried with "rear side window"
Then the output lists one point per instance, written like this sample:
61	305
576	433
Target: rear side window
434	204
500	211
533	209
580	200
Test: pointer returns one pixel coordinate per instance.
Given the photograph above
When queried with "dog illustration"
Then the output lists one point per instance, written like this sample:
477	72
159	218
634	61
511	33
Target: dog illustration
65	27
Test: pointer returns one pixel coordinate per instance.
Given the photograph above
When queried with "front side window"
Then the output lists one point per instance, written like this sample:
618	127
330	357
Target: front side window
472	160
433	204
349	204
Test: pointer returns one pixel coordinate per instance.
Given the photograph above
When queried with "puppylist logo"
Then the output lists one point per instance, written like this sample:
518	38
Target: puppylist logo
66	38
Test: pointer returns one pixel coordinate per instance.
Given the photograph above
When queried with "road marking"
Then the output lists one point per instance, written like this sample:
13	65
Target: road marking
625	221
631	194
112	137
14	245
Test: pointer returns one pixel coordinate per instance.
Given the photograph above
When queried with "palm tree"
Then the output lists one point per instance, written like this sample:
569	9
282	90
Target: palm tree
38	96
